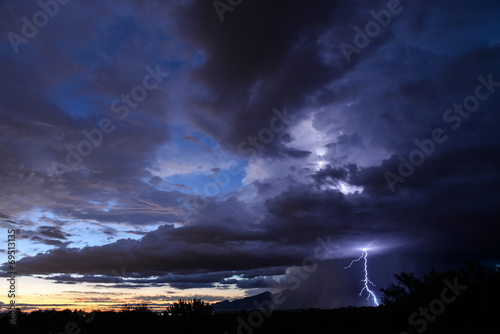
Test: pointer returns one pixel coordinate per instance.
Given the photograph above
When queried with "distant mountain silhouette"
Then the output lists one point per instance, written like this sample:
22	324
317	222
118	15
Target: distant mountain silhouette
286	301
243	304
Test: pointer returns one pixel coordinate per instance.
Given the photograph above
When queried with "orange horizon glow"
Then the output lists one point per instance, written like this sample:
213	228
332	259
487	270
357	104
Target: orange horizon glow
33	294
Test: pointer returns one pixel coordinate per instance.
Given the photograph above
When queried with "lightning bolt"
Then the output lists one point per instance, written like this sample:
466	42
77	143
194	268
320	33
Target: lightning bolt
366	281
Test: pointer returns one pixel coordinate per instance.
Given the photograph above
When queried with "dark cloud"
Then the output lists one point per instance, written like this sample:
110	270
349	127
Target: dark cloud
261	65
329	174
52	232
52	242
297	154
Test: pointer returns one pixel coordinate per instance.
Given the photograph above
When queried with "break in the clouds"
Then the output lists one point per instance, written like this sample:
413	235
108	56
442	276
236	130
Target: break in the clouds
150	144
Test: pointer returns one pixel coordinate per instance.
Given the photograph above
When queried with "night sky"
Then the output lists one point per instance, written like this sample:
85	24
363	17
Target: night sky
157	150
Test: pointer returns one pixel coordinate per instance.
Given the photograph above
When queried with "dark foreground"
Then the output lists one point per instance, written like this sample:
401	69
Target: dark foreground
345	320
463	301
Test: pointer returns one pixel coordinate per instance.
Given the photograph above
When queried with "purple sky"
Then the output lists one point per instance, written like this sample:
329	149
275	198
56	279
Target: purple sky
151	148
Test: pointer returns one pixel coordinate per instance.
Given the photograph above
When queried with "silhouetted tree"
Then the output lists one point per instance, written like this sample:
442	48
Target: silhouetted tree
403	291
126	308
143	307
139	308
196	307
410	290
